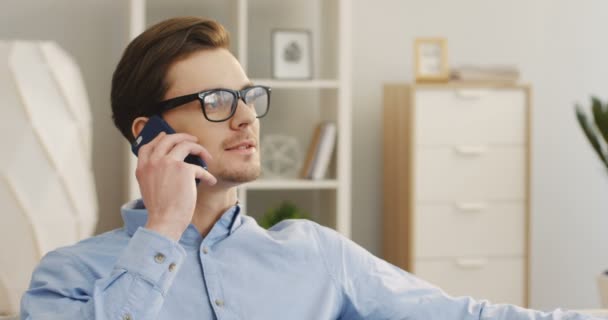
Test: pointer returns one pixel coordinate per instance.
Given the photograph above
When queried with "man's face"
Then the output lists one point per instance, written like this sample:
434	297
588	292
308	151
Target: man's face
212	69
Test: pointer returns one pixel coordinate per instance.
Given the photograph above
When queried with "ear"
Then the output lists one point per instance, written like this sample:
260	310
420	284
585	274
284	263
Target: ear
138	125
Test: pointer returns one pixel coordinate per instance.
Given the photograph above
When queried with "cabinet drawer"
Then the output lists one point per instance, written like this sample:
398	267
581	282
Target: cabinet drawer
469	229
497	280
457	174
465	116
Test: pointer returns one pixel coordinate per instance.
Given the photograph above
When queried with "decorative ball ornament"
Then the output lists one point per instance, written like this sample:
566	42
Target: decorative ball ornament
281	156
47	190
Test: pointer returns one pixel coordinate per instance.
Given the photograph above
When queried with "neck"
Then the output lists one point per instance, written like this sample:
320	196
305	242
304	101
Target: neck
211	203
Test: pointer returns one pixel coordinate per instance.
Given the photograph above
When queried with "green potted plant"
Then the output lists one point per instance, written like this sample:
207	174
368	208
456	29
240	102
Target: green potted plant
596	131
286	210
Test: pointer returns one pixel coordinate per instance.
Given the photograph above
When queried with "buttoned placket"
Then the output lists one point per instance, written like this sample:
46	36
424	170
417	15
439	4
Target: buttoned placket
211	273
215	293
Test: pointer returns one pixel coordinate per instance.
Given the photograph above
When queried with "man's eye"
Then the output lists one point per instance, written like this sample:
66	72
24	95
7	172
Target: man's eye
218	101
211	102
254	94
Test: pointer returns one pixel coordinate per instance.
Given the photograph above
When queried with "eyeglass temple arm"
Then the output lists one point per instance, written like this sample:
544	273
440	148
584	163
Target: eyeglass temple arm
176	102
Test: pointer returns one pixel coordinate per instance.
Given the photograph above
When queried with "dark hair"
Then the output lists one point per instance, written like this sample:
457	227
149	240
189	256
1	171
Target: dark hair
138	83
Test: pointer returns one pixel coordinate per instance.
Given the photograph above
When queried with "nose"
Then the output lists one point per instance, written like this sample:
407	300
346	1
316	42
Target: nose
244	116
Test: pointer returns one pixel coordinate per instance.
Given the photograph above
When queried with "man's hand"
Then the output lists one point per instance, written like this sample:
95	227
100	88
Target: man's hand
167	182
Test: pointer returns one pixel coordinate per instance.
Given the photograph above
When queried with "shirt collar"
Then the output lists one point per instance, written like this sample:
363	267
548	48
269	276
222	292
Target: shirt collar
135	215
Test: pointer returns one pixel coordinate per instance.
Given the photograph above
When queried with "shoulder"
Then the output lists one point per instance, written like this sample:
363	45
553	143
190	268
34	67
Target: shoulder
336	249
289	226
293	235
342	257
303	229
323	240
301	235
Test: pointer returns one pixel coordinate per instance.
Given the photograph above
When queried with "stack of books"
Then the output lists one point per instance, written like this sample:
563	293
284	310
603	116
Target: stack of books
319	151
498	74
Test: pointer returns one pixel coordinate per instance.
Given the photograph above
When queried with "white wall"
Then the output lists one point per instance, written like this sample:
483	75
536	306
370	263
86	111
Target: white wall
561	51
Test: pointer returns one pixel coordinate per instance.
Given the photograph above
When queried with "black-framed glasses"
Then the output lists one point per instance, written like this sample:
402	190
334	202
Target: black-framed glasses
220	104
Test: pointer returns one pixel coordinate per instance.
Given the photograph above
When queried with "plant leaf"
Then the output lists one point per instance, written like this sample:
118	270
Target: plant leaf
600	116
589	131
286	210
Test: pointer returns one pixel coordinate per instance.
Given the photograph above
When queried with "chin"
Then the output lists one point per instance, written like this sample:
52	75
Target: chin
237	176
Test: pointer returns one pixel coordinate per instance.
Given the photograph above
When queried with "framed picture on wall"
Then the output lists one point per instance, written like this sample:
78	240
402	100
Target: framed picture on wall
291	54
430	60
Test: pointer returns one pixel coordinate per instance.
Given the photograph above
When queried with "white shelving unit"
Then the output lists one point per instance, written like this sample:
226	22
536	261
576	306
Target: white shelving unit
297	105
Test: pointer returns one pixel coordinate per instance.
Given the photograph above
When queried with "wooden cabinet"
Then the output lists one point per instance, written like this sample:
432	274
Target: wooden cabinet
456	187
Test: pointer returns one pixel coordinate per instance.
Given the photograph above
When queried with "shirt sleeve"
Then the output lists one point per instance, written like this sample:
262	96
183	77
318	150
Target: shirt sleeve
374	289
62	287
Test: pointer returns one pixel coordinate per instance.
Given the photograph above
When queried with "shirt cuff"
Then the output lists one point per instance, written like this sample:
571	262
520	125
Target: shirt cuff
154	257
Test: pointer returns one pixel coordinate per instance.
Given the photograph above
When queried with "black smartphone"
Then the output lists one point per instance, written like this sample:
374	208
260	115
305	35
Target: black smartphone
154	127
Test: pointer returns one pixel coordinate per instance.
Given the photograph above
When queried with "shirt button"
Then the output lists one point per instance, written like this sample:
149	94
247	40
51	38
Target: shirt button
205	250
172	267
127	317
219	303
159	258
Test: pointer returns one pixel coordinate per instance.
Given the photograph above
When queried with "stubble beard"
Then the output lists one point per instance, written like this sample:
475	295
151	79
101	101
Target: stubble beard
240	175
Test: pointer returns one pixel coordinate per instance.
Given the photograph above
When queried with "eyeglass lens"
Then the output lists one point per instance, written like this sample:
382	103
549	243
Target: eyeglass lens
219	104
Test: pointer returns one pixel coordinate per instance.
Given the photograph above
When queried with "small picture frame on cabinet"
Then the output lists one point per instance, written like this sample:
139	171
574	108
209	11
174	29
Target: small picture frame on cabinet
291	54
431	60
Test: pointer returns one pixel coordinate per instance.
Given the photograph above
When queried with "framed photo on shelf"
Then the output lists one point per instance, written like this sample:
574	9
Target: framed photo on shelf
291	54
431	60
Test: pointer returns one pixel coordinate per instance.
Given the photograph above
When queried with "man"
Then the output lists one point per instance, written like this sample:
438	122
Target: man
186	251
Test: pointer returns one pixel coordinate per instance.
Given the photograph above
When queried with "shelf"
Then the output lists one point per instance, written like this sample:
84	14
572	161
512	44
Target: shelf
298	84
300	184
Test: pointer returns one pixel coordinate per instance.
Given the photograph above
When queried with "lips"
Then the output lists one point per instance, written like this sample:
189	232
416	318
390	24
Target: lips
243	145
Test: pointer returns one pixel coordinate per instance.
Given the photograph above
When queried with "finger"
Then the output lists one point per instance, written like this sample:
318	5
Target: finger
165	145
204	175
144	151
183	149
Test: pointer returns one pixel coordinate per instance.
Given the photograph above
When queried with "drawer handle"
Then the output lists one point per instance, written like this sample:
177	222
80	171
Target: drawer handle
471	94
472	263
471	206
470	150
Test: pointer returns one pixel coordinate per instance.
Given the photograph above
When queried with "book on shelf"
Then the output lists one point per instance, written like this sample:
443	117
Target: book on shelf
312	150
320	151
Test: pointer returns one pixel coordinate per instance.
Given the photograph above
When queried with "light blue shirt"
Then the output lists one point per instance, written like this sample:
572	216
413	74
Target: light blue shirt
296	270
